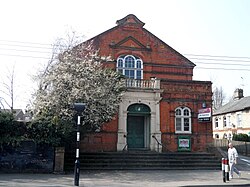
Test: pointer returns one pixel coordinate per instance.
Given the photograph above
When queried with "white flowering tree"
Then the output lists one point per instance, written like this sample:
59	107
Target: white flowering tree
79	76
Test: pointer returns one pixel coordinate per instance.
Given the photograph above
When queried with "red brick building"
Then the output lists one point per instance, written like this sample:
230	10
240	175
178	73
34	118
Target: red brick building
159	110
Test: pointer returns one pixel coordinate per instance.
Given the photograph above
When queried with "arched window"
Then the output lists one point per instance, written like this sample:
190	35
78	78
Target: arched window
182	120
130	66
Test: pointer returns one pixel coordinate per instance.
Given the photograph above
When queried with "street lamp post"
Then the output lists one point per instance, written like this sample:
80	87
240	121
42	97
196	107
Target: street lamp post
79	108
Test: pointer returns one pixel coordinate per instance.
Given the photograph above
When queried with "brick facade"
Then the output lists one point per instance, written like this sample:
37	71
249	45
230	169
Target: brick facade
177	89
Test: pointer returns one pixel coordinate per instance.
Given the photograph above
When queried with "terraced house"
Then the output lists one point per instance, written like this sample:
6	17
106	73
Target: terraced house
160	108
233	117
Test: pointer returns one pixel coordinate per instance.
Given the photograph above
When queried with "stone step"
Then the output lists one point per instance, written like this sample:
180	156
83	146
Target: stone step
143	160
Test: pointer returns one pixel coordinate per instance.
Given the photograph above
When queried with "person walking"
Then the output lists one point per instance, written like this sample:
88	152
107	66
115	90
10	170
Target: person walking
232	158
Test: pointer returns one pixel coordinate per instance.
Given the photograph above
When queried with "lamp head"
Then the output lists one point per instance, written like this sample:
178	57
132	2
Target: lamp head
79	107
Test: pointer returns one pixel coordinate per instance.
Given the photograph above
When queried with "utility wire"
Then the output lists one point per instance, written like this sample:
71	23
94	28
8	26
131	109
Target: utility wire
25	56
220	59
224	64
24	47
216	56
29	51
33	43
207	56
230	69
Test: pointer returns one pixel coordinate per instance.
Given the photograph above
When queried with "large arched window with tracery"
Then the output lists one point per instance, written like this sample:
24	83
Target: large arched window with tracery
130	66
182	120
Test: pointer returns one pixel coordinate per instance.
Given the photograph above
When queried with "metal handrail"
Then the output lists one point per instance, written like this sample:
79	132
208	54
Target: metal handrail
158	143
124	148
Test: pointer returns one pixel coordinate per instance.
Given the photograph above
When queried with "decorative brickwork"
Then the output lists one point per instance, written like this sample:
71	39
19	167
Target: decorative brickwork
174	73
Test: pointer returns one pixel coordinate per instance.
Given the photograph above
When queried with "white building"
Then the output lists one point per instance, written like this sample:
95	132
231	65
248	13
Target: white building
233	117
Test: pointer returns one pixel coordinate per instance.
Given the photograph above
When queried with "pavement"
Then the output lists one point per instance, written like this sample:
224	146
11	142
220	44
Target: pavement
129	178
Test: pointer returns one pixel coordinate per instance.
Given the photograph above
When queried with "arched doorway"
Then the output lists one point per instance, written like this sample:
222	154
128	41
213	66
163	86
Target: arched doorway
138	126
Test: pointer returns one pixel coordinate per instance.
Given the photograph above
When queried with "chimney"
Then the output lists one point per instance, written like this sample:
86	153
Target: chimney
238	94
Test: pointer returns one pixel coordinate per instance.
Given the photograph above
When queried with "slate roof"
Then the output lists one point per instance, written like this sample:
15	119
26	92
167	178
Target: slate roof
234	106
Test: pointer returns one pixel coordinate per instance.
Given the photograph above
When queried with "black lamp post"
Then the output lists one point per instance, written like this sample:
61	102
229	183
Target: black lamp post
79	108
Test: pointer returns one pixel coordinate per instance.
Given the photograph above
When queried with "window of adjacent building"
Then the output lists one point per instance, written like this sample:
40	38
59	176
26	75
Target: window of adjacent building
239	120
217	136
216	122
130	66
229	121
182	120
225	136
224	121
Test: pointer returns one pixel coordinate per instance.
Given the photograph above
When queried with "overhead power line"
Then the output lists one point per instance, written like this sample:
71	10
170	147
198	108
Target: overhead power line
26	46
232	60
33	43
226	69
42	45
42	48
224	64
216	56
29	51
25	56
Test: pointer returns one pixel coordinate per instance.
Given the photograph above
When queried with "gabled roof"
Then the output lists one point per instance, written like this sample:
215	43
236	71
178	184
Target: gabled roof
132	21
18	113
234	106
15	111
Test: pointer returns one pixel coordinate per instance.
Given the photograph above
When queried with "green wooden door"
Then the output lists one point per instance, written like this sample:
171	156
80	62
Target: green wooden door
135	129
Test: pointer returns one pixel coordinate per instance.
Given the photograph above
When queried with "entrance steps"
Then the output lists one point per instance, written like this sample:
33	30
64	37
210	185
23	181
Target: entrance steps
143	161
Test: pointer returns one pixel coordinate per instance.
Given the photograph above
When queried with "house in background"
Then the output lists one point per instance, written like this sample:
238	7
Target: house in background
233	117
159	110
19	115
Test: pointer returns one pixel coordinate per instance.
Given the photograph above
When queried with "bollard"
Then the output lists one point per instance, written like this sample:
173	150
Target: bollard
226	169
223	169
77	173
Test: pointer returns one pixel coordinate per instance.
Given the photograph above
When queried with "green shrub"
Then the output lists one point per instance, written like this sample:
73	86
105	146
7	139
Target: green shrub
241	137
11	131
51	131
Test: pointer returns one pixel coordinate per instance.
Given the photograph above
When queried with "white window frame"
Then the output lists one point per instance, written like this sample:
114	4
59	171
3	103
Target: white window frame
239	119
181	118
134	69
229	123
216	122
224	121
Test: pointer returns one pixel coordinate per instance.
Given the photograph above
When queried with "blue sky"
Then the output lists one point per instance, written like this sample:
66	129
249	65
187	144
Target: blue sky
192	27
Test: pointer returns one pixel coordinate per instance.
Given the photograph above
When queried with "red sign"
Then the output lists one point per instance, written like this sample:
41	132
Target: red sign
204	114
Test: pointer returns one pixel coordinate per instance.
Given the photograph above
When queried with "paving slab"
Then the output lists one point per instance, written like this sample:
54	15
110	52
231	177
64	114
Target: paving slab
134	178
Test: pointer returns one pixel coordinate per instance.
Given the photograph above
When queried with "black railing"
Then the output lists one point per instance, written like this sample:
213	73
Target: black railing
158	143
126	145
